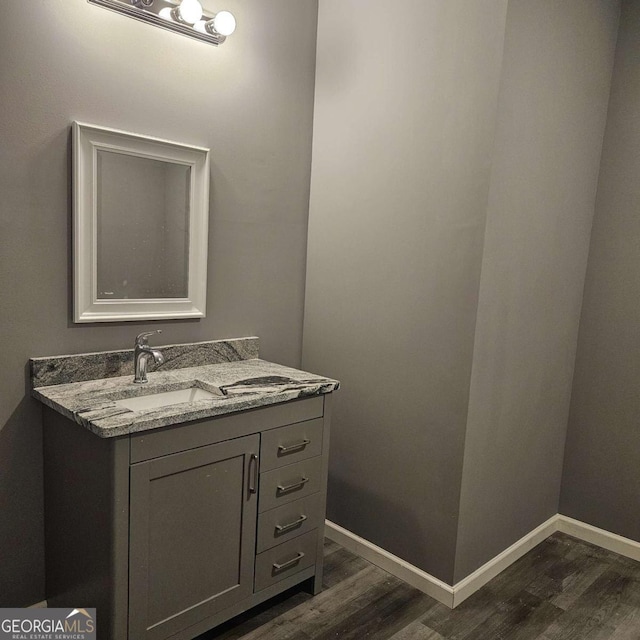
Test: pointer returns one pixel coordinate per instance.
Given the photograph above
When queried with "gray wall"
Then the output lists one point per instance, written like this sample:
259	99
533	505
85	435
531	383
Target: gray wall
449	429
249	100
601	481
403	133
552	110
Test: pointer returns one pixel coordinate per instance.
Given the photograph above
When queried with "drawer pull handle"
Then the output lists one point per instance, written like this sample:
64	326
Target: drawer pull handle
281	528
293	447
291	487
288	563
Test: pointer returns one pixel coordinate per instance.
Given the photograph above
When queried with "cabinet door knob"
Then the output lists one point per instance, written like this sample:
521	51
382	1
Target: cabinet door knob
291	487
288	563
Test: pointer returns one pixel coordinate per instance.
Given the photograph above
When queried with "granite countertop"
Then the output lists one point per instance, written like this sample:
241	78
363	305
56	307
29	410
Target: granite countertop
245	384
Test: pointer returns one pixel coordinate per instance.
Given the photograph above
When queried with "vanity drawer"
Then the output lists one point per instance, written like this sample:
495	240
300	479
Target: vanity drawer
198	433
286	484
290	444
285	560
288	521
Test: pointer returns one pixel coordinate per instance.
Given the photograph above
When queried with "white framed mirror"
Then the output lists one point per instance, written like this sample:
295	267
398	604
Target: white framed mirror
140	225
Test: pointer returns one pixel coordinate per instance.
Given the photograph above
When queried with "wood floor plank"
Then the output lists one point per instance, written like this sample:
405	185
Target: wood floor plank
519	575
487	602
628	627
339	565
385	602
564	582
471	613
596	613
523	617
625	566
379	620
330	606
416	631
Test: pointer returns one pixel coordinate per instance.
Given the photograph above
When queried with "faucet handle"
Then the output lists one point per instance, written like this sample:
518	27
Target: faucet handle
141	338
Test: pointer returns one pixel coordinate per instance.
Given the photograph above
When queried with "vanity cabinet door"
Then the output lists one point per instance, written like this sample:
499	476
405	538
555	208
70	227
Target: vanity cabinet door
192	536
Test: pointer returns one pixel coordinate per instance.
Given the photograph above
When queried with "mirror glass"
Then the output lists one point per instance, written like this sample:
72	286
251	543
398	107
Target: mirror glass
142	227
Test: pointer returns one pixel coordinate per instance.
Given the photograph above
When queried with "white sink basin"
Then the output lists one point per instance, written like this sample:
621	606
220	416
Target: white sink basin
167	398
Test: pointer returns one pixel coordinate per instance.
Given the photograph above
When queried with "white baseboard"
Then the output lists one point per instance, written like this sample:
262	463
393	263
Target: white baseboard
600	537
391	564
452	596
489	570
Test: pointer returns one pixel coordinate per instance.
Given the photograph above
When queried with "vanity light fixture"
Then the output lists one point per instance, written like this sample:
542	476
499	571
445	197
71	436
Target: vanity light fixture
182	16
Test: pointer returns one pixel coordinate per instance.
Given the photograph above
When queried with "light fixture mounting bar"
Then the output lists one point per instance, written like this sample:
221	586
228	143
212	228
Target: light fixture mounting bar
150	13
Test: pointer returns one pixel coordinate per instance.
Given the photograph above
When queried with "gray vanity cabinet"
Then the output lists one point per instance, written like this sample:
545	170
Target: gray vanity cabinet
172	531
192	535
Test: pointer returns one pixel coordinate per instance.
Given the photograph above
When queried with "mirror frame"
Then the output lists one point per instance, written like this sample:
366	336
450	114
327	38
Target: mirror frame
88	139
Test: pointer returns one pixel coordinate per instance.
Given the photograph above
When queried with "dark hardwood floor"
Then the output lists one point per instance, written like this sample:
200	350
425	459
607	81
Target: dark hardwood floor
563	589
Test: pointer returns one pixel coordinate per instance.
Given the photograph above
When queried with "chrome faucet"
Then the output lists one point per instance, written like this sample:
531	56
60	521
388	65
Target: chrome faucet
142	354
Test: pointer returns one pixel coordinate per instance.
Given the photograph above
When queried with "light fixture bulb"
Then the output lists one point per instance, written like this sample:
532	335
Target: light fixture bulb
224	23
166	14
201	26
190	11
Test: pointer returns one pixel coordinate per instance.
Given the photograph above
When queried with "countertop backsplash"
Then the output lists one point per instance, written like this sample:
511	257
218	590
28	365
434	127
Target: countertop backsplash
112	364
